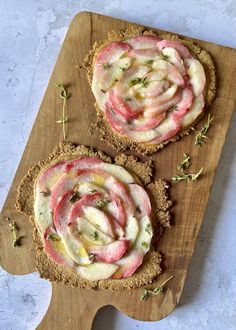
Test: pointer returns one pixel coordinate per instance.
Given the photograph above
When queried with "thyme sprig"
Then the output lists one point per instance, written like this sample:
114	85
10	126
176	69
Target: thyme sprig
142	81
185	163
201	135
156	291
187	177
14	230
65	96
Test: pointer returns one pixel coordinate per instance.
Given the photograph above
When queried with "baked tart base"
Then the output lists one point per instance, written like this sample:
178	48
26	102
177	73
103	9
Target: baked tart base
121	143
157	191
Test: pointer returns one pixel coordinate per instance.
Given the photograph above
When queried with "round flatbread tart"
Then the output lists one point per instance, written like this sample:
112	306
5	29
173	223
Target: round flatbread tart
94	220
149	89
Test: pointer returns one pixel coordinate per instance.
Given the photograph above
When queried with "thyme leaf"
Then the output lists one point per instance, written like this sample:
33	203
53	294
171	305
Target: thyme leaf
101	203
149	62
65	96
156	291
184	164
201	135
94	235
187	177
62	120
92	191
106	66
143	81
144	244
134	81
174	108
14	230
164	57
54	237
148	228
74	197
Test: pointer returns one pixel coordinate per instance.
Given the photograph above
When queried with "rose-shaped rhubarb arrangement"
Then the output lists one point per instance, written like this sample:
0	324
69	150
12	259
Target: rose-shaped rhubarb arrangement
148	89
93	217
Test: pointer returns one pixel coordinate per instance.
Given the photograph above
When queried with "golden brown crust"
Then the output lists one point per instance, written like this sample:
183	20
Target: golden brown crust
158	193
121	143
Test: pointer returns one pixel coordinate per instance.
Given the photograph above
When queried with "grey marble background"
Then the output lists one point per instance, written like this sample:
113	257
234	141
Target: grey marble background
31	34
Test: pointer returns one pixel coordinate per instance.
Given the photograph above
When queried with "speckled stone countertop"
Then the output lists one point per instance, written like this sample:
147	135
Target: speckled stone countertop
31	34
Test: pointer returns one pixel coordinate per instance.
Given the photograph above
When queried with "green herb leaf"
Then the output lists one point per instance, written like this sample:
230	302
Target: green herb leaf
201	135
172	109
158	290
62	120
144	295
145	245
14	230
92	191
94	236
102	203
143	81
74	197
148	228
164	57
54	237
128	99
185	163
106	66
149	62
135	81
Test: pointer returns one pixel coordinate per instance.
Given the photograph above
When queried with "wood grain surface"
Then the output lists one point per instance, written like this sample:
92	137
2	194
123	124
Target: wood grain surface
73	308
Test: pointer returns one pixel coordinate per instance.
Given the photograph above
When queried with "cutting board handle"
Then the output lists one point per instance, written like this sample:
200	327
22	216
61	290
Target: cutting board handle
64	314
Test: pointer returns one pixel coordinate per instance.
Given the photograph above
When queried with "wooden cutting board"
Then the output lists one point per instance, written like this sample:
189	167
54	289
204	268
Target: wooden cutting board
73	308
